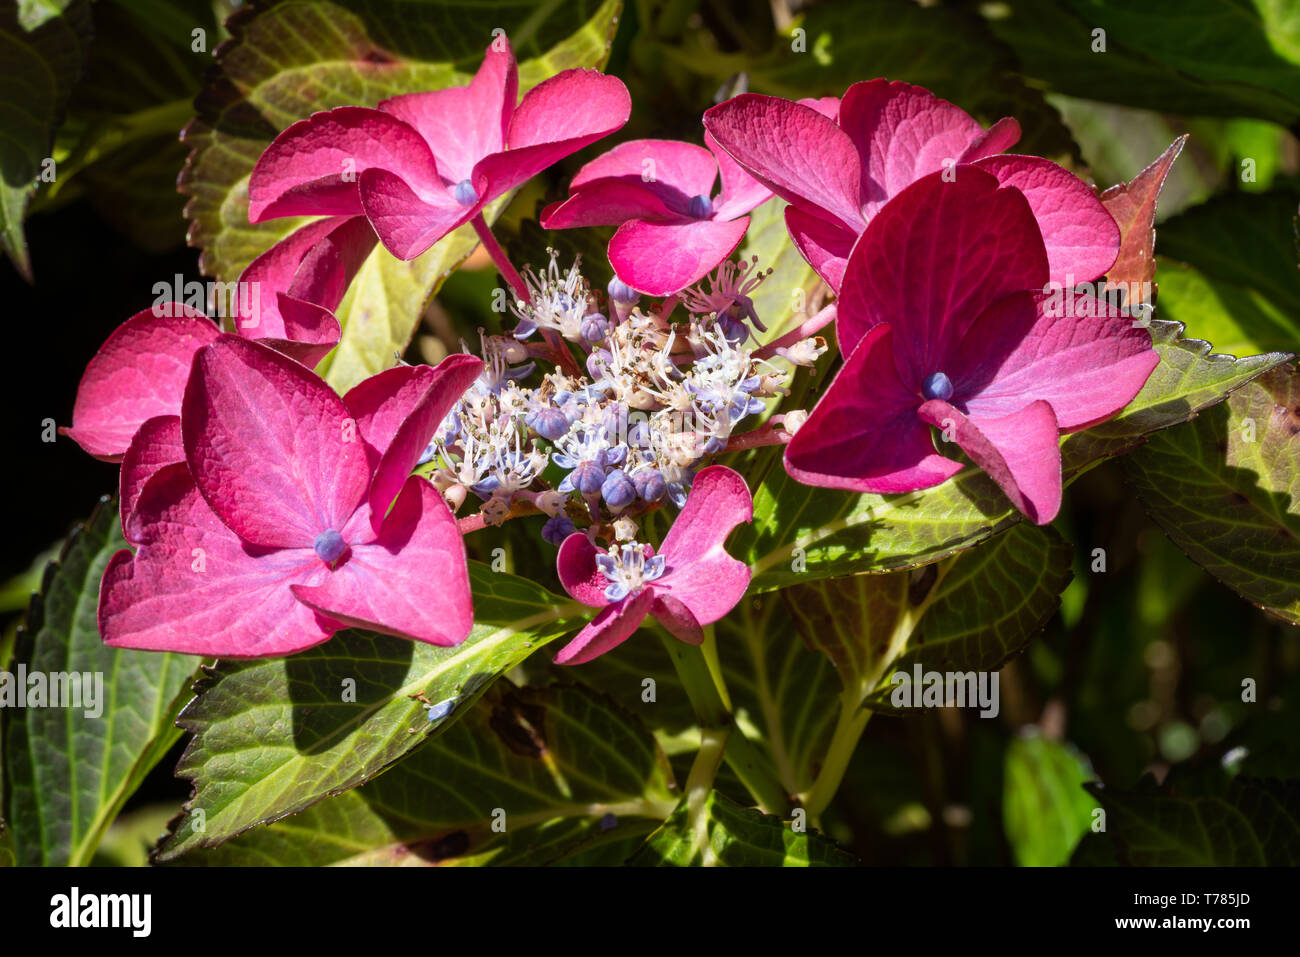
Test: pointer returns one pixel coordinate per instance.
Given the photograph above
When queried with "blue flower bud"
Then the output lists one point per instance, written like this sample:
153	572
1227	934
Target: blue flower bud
620	291
557	529
464	193
618	490
594	329
650	485
701	207
937	386
329	546
550	423
608	822
714	445
587	477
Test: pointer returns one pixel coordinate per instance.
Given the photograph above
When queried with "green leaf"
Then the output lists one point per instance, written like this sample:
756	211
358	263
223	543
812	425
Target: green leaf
295	58
1197	57
943	49
39	69
1237	285
35	13
984	610
1248	822
720	832
783	695
801	533
1226	489
544	765
1045	810
68	769
274	736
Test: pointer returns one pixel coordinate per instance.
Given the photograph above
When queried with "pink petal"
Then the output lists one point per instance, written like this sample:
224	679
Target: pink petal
864	435
314	166
1082	239
660	259
557	117
672	170
825	245
407	223
328	268
678	618
799	153
138	373
1020	451
195	588
609	629
576	566
827	106
157	445
607	202
271	447
463	124
412	581
998	138
310	331
270	274
719	500
740	191
932	260
1088	364
413	424
902	132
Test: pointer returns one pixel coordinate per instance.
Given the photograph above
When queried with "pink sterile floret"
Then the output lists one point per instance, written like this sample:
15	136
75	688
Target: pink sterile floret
422	164
292	515
694	582
672	229
944	322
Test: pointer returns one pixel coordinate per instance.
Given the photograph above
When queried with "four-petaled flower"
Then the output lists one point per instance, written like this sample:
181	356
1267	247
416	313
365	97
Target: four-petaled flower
839	162
691	582
293	514
672	230
423	164
943	322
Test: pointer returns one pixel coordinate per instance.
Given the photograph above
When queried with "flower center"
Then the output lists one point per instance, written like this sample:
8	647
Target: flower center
701	207
464	193
628	570
329	545
937	386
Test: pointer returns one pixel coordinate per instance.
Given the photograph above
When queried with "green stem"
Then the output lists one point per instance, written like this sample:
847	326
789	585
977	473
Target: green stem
707	693
853	716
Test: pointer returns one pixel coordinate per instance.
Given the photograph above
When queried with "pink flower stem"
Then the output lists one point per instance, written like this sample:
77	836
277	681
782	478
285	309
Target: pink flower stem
668	306
805	329
767	434
476	522
500	258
